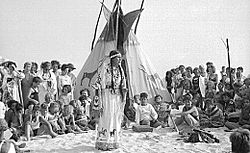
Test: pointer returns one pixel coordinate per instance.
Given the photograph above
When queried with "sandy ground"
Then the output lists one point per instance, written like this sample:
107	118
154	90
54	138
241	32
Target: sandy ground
158	141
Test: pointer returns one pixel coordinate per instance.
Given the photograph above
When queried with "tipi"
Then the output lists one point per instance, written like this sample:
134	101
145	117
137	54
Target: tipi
139	71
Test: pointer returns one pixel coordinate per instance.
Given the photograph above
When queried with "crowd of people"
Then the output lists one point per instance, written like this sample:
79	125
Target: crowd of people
40	101
206	100
37	101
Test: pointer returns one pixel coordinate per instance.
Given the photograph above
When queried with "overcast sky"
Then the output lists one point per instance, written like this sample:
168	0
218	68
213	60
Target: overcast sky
171	32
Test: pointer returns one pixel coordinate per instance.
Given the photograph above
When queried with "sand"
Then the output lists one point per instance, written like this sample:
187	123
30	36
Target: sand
158	141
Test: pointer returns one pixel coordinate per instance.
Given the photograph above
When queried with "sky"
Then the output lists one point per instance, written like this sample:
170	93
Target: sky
171	32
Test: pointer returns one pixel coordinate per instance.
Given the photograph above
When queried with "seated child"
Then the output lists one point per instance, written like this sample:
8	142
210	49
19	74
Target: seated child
14	118
95	111
33	125
85	100
189	114
162	109
146	114
80	116
54	118
212	117
29	111
69	120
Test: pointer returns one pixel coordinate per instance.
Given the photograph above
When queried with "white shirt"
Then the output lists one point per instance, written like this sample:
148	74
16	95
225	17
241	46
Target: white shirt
2	110
146	112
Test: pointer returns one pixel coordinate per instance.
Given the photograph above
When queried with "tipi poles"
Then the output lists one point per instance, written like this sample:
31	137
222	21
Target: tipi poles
117	22
228	59
98	19
137	22
229	65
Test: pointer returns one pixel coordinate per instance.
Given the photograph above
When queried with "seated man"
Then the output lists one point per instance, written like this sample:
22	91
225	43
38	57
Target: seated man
189	114
146	114
212	116
244	121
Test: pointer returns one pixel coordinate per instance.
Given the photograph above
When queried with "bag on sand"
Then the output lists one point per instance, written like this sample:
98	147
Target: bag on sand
142	128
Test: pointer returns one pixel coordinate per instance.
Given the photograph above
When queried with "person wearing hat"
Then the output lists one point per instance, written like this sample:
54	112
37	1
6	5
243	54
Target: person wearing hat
112	96
10	84
72	76
63	79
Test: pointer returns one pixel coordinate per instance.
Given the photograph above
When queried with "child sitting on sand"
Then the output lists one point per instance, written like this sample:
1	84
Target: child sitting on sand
133	106
80	116
33	126
14	118
189	114
54	118
146	114
69	120
162	109
85	100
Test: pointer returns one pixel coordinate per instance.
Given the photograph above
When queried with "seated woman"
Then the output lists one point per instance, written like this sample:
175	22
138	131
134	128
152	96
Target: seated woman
146	114
189	114
212	116
33	125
